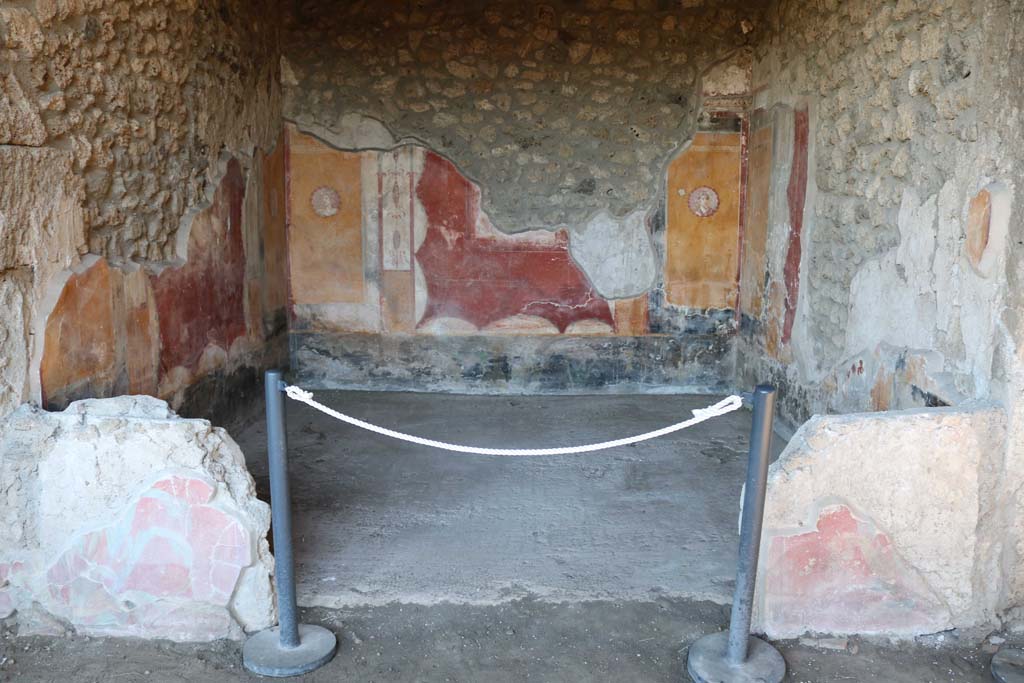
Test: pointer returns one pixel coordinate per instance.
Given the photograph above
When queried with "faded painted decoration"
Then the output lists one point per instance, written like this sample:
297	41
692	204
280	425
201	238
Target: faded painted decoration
851	547
476	275
406	248
123	520
703	223
115	118
113	331
908	145
409	250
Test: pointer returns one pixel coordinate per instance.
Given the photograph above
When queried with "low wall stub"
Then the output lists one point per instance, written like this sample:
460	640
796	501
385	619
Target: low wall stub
884	524
121	519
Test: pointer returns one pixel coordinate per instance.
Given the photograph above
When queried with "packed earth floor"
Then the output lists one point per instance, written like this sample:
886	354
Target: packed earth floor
524	640
432	566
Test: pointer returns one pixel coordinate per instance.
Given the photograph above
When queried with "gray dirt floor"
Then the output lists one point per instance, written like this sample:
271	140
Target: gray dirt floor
379	520
524	640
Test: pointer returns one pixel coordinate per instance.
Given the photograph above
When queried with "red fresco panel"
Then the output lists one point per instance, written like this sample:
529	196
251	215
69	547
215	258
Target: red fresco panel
844	576
484	279
796	195
202	302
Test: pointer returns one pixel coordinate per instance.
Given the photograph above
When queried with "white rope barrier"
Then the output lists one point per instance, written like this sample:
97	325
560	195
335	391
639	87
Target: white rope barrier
723	407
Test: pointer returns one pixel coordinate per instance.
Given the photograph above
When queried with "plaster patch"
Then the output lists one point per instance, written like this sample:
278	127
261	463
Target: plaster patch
615	255
903	279
352	131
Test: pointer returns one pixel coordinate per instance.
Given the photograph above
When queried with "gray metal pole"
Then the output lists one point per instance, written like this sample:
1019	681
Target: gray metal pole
735	655
751	521
290	648
281	510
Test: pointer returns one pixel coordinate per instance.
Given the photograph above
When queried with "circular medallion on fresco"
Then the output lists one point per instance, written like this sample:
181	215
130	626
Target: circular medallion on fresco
703	201
325	201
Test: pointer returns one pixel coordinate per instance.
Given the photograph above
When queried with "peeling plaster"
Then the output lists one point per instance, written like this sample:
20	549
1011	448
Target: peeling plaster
615	255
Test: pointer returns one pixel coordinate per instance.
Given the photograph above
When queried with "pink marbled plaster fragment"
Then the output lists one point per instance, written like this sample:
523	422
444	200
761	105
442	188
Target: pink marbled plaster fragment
169	564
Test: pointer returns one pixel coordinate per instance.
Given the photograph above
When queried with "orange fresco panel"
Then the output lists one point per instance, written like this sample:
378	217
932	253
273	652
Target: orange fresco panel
703	226
79	339
325	242
139	357
979	217
141	343
631	316
755	236
398	306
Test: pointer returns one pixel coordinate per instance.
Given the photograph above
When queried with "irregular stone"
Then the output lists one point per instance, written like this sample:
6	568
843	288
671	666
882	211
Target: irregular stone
15	298
206	77
851	543
19	118
122	519
597	61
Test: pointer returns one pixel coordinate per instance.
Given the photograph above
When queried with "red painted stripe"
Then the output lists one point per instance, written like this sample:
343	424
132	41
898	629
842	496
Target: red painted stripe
796	196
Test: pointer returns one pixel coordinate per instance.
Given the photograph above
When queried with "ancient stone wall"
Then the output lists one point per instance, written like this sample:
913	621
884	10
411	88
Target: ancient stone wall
893	279
399	280
145	94
117	119
191	333
557	110
509	169
880	151
1007	32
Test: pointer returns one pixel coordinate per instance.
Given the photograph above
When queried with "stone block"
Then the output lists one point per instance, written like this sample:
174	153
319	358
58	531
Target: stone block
121	519
881	523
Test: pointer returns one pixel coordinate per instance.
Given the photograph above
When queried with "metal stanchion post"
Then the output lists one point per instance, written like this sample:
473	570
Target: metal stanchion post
290	648
735	656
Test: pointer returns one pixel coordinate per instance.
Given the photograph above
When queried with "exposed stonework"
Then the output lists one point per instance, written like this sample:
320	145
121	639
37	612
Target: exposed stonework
145	95
110	330
114	119
41	233
909	116
557	110
885	524
122	519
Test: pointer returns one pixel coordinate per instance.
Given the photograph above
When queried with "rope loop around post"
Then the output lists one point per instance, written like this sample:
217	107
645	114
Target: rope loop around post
723	407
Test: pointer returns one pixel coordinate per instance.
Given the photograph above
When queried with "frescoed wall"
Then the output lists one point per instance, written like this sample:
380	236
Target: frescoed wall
410	220
386	244
114	330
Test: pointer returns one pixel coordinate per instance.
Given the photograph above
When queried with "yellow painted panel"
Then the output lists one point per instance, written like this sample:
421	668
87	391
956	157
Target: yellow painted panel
325	241
702	242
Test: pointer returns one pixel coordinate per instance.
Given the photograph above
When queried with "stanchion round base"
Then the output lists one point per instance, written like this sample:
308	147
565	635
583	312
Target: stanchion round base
262	654
706	662
1008	666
